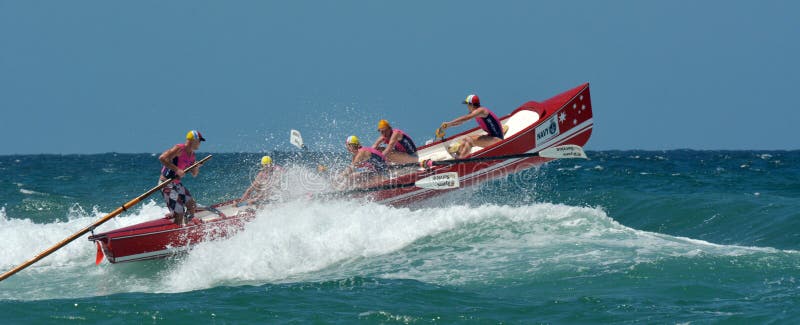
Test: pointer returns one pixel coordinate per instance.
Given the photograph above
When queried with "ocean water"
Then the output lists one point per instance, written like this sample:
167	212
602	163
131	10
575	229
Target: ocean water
669	237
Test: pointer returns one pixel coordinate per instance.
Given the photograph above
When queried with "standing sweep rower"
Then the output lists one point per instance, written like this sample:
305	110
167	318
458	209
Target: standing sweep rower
179	201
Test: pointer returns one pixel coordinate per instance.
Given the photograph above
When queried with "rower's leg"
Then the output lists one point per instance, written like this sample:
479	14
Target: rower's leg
191	205
174	197
191	208
184	199
179	219
485	141
466	146
401	158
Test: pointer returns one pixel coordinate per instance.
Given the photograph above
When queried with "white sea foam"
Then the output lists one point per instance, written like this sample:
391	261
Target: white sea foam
297	238
29	192
305	241
23	238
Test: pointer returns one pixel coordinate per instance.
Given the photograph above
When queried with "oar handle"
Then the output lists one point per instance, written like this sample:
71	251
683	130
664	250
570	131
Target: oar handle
83	231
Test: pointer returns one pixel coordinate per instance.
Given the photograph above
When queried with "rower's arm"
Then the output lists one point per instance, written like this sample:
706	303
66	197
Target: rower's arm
352	167
166	159
377	143
247	193
392	142
361	156
478	112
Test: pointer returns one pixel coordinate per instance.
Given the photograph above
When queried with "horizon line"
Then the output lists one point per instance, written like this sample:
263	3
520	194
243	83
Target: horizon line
330	152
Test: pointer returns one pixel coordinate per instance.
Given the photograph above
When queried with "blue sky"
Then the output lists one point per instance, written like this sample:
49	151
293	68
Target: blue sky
112	76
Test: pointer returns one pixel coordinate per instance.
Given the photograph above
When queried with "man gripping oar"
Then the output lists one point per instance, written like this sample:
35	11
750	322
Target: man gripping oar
91	227
179	201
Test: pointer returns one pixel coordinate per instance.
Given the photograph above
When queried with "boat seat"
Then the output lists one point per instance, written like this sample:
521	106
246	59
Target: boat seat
520	121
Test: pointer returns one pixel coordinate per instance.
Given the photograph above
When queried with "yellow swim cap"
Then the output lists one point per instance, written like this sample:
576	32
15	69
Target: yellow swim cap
266	160
352	140
383	124
194	135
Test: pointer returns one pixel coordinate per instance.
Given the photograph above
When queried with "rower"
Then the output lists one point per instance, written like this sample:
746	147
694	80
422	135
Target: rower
174	160
368	165
399	149
264	183
485	118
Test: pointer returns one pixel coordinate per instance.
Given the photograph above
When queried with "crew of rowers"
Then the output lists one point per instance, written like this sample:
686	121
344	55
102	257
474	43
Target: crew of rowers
370	164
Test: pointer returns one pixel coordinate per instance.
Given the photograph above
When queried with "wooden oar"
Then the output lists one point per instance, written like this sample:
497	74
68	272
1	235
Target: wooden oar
560	152
434	182
116	212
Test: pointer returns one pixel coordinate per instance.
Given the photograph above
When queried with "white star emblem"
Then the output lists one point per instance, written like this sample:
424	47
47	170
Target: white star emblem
575	121
562	117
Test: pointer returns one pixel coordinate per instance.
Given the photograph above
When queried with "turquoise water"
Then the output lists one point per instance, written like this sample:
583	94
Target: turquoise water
625	237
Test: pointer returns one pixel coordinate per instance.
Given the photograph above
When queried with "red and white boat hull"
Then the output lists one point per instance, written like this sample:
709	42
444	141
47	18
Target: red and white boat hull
162	237
564	119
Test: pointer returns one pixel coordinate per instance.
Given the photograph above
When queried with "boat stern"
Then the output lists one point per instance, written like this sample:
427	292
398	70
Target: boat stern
103	248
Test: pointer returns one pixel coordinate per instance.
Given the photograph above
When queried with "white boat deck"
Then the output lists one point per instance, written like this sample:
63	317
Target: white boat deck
230	210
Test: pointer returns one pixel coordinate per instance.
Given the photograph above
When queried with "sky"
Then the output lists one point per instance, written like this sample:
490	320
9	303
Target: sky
133	77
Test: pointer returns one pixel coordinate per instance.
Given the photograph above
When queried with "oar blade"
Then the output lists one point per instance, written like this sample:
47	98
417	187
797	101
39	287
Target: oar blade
296	139
439	181
562	152
99	257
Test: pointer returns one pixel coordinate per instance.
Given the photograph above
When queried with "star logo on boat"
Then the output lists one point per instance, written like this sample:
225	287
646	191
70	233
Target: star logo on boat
562	117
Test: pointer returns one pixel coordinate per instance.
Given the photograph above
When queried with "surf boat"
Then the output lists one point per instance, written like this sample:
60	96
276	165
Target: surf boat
162	237
557	126
560	122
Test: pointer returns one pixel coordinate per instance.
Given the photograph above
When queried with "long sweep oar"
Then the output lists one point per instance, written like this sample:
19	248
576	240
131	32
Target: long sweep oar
434	182
560	152
116	212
